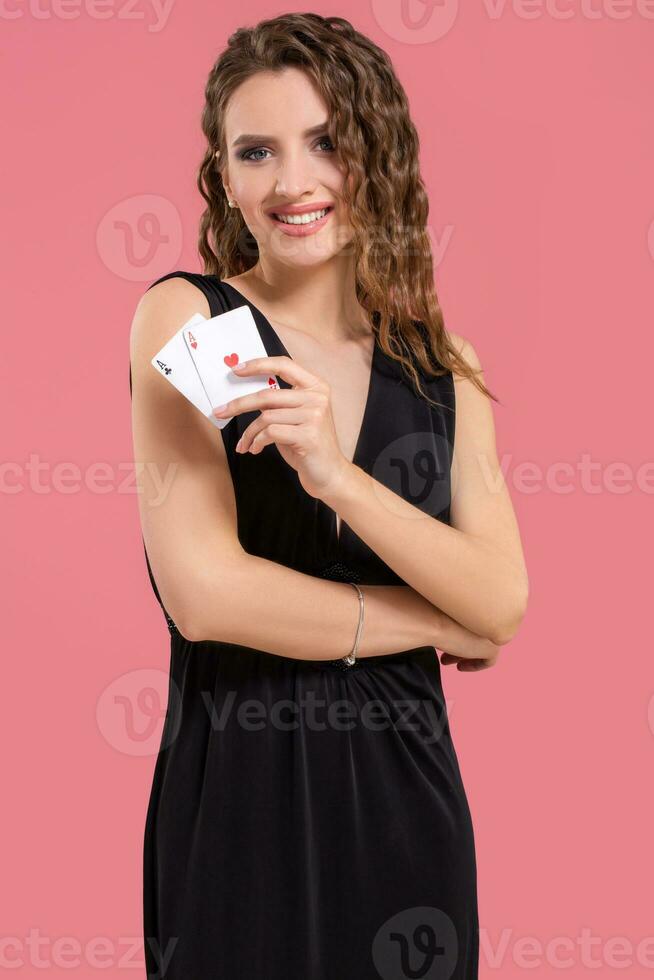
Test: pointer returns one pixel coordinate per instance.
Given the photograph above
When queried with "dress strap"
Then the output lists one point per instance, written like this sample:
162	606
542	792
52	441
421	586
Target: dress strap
209	285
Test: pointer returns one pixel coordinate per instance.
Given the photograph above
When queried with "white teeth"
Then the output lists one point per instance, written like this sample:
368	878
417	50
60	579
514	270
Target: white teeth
301	219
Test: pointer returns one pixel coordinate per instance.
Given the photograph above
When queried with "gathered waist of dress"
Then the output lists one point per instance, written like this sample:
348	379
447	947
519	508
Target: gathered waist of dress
424	654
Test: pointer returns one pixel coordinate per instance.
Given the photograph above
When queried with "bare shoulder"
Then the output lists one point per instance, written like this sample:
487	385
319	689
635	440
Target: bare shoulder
474	408
465	349
475	425
160	311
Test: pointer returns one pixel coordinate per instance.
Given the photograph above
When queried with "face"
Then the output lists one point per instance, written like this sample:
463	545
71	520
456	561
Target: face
285	163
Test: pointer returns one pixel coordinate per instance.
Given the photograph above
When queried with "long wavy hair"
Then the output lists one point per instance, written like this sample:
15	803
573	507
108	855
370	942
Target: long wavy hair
370	126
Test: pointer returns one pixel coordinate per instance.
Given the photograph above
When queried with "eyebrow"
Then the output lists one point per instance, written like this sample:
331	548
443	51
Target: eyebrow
258	138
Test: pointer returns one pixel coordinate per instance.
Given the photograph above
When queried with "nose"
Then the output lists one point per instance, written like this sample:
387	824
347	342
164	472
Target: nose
294	176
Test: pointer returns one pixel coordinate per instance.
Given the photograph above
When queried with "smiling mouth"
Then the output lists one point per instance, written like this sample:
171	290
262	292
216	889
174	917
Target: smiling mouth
308	218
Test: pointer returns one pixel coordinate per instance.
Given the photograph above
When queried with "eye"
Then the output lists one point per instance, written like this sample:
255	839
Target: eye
326	139
246	154
249	154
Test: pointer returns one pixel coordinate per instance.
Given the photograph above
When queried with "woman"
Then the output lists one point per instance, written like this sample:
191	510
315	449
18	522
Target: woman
307	818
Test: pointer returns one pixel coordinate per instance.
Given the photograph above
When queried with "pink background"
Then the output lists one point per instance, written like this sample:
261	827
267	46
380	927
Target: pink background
538	154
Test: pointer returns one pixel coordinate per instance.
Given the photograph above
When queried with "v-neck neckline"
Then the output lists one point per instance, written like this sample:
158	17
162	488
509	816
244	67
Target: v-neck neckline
358	448
276	341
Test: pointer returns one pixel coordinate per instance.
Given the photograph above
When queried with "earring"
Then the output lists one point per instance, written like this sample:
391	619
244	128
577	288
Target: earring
232	204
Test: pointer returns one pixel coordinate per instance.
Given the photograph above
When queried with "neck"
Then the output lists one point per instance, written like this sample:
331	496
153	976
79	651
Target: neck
320	301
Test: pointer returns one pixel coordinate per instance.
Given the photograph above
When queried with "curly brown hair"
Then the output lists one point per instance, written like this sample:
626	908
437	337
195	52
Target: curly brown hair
370	125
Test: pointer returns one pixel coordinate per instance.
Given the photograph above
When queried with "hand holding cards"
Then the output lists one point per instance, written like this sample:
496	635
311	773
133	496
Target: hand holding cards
198	360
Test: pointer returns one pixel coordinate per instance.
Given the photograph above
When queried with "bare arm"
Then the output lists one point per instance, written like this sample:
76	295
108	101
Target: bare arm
473	570
210	586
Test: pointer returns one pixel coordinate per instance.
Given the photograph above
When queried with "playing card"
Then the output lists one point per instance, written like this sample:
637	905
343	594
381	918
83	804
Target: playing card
175	364
217	344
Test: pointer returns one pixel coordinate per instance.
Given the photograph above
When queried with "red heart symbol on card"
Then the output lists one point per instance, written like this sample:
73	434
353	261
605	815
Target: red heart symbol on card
272	382
230	359
193	342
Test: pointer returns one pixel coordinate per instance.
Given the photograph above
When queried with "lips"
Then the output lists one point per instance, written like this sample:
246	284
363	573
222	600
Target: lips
303	222
300	208
301	228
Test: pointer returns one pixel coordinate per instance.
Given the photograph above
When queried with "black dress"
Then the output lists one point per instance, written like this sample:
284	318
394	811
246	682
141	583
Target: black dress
307	820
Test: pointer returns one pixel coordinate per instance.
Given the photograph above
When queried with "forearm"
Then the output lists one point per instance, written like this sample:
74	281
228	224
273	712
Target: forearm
261	604
457	573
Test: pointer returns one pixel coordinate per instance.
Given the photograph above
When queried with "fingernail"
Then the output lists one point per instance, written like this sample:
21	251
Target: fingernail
219	408
237	367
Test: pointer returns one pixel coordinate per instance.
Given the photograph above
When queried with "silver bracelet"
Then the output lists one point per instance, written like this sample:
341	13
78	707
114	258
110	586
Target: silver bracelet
351	658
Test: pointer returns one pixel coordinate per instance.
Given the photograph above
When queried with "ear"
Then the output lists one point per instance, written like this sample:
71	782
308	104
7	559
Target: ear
224	176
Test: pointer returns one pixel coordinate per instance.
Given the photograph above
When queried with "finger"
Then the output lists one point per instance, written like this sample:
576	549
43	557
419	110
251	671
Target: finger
281	435
265	398
287	368
449	658
291	416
